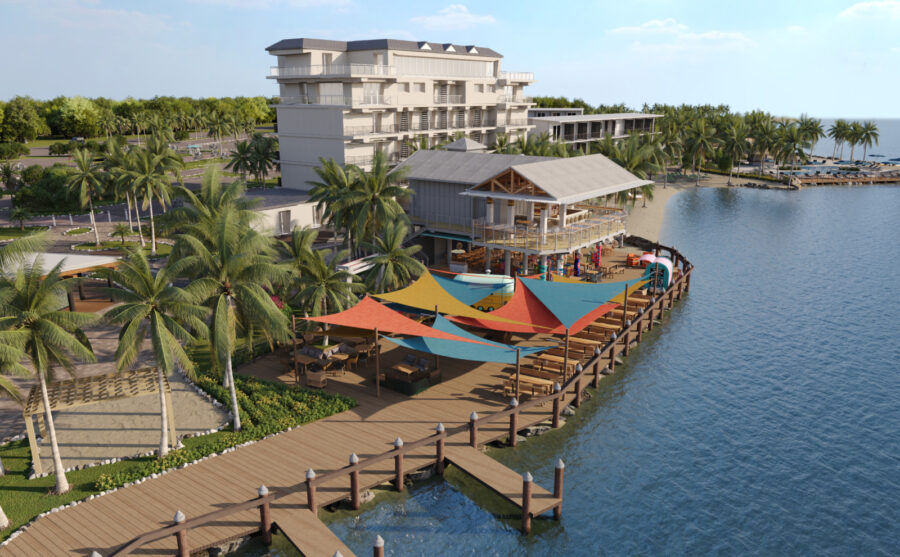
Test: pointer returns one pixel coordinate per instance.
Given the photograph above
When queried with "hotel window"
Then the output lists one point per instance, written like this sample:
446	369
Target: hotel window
404	87
490	89
479	88
419	87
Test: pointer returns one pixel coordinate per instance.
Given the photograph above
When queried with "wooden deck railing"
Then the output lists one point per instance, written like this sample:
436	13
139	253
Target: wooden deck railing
181	526
620	342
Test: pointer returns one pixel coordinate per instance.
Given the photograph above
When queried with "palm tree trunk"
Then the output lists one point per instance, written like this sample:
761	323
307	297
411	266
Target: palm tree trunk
699	166
229	377
2	473
94	222
731	171
163	415
137	214
842	149
152	230
4	522
834	151
865	150
128	210
325	329
62	483
852	150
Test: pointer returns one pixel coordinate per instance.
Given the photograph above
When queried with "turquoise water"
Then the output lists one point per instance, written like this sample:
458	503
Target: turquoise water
762	418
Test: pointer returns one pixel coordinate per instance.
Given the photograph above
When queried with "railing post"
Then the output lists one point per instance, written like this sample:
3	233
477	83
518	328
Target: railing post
640	324
578	370
626	334
558	488
513	422
354	482
556	389
527	480
398	464
311	491
184	549
612	352
652	307
439	450
596	367
473	430
378	547
265	516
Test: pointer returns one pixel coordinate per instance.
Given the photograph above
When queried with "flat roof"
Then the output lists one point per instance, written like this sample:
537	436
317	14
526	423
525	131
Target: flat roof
597	117
277	197
384	44
72	262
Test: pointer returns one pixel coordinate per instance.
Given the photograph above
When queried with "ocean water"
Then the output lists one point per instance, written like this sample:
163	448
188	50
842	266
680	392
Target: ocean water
762	418
888	142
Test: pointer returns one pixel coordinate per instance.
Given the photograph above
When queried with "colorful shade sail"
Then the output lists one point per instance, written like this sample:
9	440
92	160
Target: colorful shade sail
369	314
576	305
427	294
528	314
554	277
467	292
475	349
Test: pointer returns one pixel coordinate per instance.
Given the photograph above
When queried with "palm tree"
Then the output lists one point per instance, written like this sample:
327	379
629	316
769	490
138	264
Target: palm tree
231	269
217	127
139	121
121	230
734	143
812	131
838	132
323	287
854	137
393	266
868	136
204	208
20	215
87	180
764	136
241	159
702	141
375	198
263	154
152	306
107	123
115	163
793	143
51	337
150	180
670	141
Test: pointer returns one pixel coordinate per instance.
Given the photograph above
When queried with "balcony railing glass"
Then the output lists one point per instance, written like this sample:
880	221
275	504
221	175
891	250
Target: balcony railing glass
449	99
514	99
517	76
338	100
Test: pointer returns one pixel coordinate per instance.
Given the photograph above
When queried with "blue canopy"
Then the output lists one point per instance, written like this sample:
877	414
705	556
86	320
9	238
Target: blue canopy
467	292
490	352
569	302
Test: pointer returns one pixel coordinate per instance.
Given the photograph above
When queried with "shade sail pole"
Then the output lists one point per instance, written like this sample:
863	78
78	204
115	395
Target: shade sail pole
377	365
518	356
625	307
294	339
566	356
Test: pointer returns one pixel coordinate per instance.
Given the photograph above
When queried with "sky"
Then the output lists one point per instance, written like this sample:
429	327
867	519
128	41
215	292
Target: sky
827	58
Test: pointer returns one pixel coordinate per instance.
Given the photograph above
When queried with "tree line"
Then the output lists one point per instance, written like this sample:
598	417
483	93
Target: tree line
23	119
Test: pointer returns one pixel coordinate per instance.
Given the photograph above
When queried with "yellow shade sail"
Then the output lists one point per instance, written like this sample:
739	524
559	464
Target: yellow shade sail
427	294
620	298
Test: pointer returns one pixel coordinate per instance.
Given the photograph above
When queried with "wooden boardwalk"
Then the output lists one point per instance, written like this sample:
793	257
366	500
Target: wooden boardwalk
308	533
108	522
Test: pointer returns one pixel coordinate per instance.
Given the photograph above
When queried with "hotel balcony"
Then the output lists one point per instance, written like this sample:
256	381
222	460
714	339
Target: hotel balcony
449	99
513	123
515	77
582	229
332	70
514	99
366	101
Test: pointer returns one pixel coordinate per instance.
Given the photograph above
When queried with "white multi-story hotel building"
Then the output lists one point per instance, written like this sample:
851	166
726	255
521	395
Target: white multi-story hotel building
347	100
571	125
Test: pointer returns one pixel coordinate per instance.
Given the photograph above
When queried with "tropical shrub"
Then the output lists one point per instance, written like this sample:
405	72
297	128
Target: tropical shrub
13	150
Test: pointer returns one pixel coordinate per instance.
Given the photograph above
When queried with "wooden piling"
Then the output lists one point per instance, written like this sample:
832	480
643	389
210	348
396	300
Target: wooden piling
527	480
439	450
265	516
378	547
558	488
513	423
311	491
354	483
556	389
473	430
184	550
398	464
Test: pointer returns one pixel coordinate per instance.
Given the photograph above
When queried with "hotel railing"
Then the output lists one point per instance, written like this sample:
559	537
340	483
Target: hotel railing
338	100
370	130
449	99
517	76
514	99
515	122
332	69
589	229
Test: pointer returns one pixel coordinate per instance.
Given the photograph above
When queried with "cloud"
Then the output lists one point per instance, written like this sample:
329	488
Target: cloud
889	9
668	25
454	17
668	36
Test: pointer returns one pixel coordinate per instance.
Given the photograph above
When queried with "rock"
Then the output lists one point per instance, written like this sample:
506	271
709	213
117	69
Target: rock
536	430
421	475
568	411
606	371
366	495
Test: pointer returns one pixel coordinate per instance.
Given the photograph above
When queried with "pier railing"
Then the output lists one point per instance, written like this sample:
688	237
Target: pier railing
604	358
181	526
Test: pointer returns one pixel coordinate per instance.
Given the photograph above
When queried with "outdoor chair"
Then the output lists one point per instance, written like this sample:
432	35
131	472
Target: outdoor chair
316	379
352	362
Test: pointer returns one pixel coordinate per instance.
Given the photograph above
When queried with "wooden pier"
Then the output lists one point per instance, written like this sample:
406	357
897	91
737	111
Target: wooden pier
846	179
282	482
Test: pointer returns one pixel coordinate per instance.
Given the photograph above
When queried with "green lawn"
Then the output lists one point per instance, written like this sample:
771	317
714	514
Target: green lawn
13	232
204	162
162	250
265	408
76	231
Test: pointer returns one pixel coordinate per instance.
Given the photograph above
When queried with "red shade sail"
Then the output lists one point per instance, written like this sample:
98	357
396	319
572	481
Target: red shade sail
370	314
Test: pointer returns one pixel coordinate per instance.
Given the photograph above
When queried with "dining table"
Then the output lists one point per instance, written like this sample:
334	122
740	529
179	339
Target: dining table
304	361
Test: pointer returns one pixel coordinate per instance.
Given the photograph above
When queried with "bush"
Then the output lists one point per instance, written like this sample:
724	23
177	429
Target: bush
32	174
181	135
61	148
13	150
